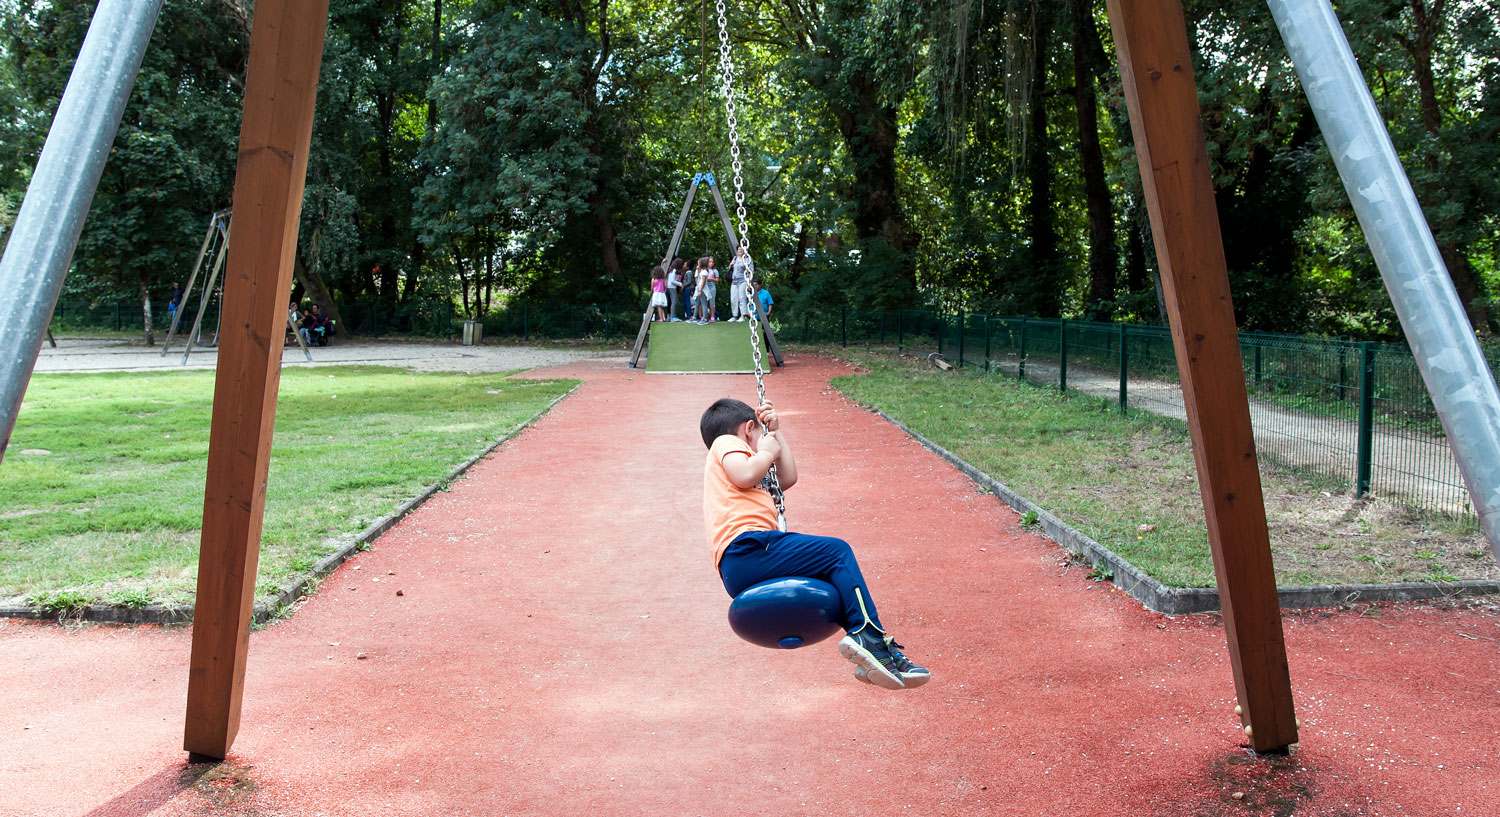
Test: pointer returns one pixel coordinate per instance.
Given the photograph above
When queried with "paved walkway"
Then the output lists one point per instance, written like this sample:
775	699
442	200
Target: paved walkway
559	648
1418	467
109	355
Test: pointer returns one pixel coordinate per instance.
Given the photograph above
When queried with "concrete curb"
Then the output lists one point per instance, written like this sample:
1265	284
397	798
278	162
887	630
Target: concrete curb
289	594
1185	600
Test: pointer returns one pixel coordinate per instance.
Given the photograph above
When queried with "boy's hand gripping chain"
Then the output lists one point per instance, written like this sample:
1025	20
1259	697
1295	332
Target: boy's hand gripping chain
726	83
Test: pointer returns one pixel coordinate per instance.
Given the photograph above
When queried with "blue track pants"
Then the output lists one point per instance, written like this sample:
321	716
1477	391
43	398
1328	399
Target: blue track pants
760	556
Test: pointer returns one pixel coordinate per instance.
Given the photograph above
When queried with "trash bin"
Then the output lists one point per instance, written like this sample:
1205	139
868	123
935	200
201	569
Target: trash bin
473	332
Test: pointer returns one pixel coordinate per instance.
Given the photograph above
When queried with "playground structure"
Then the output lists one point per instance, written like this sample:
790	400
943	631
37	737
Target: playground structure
1154	57
214	250
735	242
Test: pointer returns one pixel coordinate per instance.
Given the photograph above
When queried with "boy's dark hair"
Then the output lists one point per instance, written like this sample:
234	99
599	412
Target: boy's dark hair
723	417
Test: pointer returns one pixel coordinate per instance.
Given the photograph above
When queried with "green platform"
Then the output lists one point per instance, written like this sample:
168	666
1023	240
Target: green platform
715	347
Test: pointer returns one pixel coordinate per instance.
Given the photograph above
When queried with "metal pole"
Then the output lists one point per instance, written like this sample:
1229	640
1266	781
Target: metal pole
844	326
1447	353
1021	356
961	327
62	188
1124	367
986	344
900	333
1062	356
1365	456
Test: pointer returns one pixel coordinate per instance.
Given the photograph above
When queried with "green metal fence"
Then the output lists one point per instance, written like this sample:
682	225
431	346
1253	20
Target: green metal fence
1355	411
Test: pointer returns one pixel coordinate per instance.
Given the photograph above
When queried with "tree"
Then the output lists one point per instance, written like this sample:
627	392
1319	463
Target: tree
510	158
173	156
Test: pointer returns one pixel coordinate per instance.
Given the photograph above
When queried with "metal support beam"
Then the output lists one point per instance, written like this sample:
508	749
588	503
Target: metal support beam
214	228
1157	69
682	219
286	49
62	188
1442	341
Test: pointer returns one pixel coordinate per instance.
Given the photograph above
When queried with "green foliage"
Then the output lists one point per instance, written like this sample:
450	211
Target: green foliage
173	156
509	161
60	604
894	153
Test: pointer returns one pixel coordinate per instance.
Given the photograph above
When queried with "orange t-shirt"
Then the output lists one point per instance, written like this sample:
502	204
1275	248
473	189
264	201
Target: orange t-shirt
729	510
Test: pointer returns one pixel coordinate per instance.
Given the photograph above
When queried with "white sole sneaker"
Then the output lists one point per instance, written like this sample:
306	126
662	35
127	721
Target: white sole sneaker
875	673
911	679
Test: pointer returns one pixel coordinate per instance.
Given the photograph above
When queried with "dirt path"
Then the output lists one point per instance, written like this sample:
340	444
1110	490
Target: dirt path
559	648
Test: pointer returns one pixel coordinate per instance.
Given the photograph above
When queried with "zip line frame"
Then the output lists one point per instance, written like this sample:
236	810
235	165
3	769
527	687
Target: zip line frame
1155	64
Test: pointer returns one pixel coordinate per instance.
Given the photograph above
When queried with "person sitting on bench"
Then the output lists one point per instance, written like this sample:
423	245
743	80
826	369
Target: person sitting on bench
317	328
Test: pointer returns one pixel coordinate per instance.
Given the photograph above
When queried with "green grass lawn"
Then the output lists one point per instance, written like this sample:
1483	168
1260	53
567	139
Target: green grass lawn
714	347
1108	477
112	510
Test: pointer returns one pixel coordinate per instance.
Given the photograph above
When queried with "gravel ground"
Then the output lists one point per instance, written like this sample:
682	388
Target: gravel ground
113	355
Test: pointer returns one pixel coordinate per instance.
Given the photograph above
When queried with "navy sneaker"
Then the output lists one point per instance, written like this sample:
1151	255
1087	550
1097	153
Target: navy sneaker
911	674
868	651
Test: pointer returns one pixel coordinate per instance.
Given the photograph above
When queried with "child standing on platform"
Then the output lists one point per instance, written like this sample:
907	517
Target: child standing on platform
659	292
711	290
674	288
700	292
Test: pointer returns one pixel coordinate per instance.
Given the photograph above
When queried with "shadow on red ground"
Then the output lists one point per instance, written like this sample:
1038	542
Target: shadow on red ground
558	646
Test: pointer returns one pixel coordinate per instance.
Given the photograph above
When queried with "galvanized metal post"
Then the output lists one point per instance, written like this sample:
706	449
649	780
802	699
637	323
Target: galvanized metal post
900	333
882	328
1447	353
806	316
62	188
962	326
1366	453
1257	364
525	320
844	325
986	344
1124	365
1021	358
1062	355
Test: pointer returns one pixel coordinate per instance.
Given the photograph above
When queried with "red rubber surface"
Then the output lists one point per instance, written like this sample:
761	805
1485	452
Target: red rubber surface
561	648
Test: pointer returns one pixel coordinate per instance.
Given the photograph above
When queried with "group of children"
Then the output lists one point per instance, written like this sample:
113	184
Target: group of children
674	283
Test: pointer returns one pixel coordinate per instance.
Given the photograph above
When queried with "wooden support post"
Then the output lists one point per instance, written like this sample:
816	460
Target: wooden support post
1155	63
286	49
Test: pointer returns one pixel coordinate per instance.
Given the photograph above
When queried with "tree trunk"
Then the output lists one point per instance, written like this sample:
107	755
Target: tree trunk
1428	23
463	283
1104	255
312	283
804	241
871	136
146	309
609	250
1042	294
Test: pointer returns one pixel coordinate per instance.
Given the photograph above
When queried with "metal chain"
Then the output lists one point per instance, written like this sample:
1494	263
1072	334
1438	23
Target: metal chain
726	87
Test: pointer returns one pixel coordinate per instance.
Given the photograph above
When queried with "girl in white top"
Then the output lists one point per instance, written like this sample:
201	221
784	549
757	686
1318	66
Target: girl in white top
674	289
